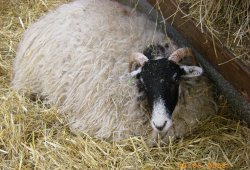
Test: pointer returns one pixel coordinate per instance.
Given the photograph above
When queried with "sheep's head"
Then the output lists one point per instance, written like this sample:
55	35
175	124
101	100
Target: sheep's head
159	79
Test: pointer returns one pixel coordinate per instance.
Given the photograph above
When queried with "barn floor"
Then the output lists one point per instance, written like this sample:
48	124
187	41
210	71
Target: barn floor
34	137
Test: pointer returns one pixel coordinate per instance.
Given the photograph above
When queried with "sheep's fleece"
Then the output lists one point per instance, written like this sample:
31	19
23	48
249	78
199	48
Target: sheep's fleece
74	56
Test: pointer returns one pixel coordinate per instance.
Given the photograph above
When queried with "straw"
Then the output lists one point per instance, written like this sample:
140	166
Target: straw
226	20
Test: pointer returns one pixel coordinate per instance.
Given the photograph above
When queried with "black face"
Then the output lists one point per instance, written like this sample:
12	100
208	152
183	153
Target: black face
160	80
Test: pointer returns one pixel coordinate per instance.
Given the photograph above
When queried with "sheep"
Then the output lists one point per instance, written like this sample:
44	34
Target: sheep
74	56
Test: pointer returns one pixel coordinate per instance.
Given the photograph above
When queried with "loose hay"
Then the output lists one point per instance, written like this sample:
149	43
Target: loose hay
225	20
33	136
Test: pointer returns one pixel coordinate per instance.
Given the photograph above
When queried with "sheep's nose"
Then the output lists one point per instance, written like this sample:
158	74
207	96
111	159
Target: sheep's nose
160	127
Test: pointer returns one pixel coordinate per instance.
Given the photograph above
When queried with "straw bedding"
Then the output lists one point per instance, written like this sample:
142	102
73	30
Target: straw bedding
226	20
34	136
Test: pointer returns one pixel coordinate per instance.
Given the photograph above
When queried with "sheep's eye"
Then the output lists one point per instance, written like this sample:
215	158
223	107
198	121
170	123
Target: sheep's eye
175	77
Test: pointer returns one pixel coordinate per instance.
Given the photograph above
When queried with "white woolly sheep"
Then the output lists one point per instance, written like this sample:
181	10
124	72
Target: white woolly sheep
74	56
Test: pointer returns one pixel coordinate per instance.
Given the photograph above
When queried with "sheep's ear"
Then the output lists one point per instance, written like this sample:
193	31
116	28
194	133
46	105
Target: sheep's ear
131	74
192	71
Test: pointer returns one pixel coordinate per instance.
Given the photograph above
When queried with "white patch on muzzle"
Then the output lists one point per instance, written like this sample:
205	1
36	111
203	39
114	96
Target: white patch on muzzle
160	121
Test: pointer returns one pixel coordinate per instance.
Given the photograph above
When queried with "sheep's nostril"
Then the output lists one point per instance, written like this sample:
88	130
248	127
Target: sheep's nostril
160	128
